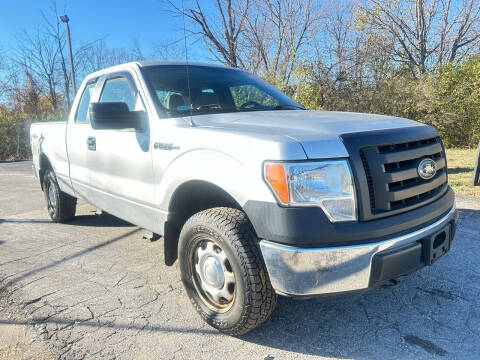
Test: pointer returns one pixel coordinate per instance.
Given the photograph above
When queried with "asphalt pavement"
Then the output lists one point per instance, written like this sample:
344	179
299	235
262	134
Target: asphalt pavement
95	288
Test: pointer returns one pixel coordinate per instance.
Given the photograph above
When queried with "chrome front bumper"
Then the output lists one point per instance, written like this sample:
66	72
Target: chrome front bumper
316	271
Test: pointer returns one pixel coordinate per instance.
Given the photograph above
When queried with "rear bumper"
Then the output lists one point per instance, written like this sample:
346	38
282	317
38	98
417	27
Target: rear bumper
297	271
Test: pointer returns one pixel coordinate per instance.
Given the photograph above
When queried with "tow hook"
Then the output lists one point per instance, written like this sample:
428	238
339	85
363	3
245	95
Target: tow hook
391	284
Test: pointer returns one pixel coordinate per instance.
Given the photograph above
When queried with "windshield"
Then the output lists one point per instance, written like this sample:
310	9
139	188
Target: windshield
212	90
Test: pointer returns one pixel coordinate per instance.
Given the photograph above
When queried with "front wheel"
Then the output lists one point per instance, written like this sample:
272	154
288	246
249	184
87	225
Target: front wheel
61	206
223	272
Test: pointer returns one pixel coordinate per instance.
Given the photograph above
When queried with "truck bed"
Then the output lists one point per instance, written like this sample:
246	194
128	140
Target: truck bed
49	137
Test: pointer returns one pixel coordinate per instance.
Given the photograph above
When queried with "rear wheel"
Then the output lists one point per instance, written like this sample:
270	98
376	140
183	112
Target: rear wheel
223	271
61	206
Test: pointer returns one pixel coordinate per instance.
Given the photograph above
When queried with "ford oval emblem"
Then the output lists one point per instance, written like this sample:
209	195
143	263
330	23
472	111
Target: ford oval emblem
427	169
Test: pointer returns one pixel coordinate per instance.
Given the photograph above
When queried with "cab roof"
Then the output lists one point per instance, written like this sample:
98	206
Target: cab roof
148	63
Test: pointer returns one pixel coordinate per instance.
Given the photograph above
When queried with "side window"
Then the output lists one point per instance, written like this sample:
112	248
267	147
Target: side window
119	90
243	94
82	110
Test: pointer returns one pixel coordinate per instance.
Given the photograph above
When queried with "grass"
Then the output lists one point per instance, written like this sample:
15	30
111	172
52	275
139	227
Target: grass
461	163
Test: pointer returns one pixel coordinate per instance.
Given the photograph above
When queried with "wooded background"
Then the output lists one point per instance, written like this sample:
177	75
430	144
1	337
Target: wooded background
417	59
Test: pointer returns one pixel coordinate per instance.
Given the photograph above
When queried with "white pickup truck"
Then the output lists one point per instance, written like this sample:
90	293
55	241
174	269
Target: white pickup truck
253	194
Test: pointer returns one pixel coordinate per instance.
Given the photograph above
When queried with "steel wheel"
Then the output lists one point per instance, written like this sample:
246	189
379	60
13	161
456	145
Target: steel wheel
213	275
223	272
51	198
61	206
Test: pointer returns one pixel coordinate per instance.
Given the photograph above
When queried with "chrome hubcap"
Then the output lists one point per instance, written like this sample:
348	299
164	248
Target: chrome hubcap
51	196
214	275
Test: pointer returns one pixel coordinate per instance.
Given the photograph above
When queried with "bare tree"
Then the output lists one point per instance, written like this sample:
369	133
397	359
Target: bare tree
4	86
336	44
460	33
168	50
38	53
97	56
136	50
42	56
264	36
349	51
278	31
222	32
426	33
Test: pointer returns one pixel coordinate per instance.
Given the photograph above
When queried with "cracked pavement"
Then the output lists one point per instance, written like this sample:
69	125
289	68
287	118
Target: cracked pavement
94	288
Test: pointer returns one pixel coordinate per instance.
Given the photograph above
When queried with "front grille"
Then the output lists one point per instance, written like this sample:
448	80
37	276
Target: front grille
392	177
371	194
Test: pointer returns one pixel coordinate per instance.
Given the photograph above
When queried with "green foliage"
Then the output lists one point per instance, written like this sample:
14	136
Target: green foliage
448	99
15	124
13	130
308	89
455	103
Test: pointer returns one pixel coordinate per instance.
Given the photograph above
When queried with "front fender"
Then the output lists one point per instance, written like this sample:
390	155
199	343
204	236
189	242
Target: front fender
241	181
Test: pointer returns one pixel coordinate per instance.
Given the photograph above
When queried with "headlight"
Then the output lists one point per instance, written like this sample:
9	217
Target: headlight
327	184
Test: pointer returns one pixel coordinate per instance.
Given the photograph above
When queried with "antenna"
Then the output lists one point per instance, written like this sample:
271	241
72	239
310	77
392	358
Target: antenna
186	65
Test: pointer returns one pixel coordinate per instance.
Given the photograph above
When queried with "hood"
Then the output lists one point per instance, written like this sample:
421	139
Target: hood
317	131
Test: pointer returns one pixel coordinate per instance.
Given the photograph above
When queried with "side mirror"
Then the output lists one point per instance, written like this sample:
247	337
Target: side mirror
115	115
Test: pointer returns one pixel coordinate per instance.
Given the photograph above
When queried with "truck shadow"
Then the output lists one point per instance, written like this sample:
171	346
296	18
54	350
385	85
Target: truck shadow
111	325
102	220
80	253
460	170
20	221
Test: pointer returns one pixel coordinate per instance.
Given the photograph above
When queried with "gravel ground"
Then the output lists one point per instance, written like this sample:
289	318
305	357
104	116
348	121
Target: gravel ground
94	288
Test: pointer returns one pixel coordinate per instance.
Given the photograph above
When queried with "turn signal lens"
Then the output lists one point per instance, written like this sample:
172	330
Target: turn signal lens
275	176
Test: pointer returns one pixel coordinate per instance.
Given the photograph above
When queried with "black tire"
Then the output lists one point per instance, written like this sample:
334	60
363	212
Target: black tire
253	296
64	206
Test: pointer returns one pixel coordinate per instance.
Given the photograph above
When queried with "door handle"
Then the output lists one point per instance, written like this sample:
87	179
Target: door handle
92	143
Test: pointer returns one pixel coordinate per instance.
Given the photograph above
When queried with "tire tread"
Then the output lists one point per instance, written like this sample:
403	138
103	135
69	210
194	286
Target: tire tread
66	204
234	225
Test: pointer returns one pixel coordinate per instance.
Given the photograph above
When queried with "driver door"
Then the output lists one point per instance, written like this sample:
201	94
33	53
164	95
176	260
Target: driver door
121	173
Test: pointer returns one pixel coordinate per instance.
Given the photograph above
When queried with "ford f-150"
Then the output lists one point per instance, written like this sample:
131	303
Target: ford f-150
254	195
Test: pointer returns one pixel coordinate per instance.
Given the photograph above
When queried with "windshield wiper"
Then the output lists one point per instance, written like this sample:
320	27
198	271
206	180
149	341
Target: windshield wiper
209	107
288	107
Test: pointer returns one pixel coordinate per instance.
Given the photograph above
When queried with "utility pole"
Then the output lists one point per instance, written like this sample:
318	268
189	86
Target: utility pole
65	19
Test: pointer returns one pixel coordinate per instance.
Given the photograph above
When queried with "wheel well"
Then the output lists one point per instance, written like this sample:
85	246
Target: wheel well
190	198
44	166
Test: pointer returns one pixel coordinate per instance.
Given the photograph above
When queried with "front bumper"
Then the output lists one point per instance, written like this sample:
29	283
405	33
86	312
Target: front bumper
296	271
